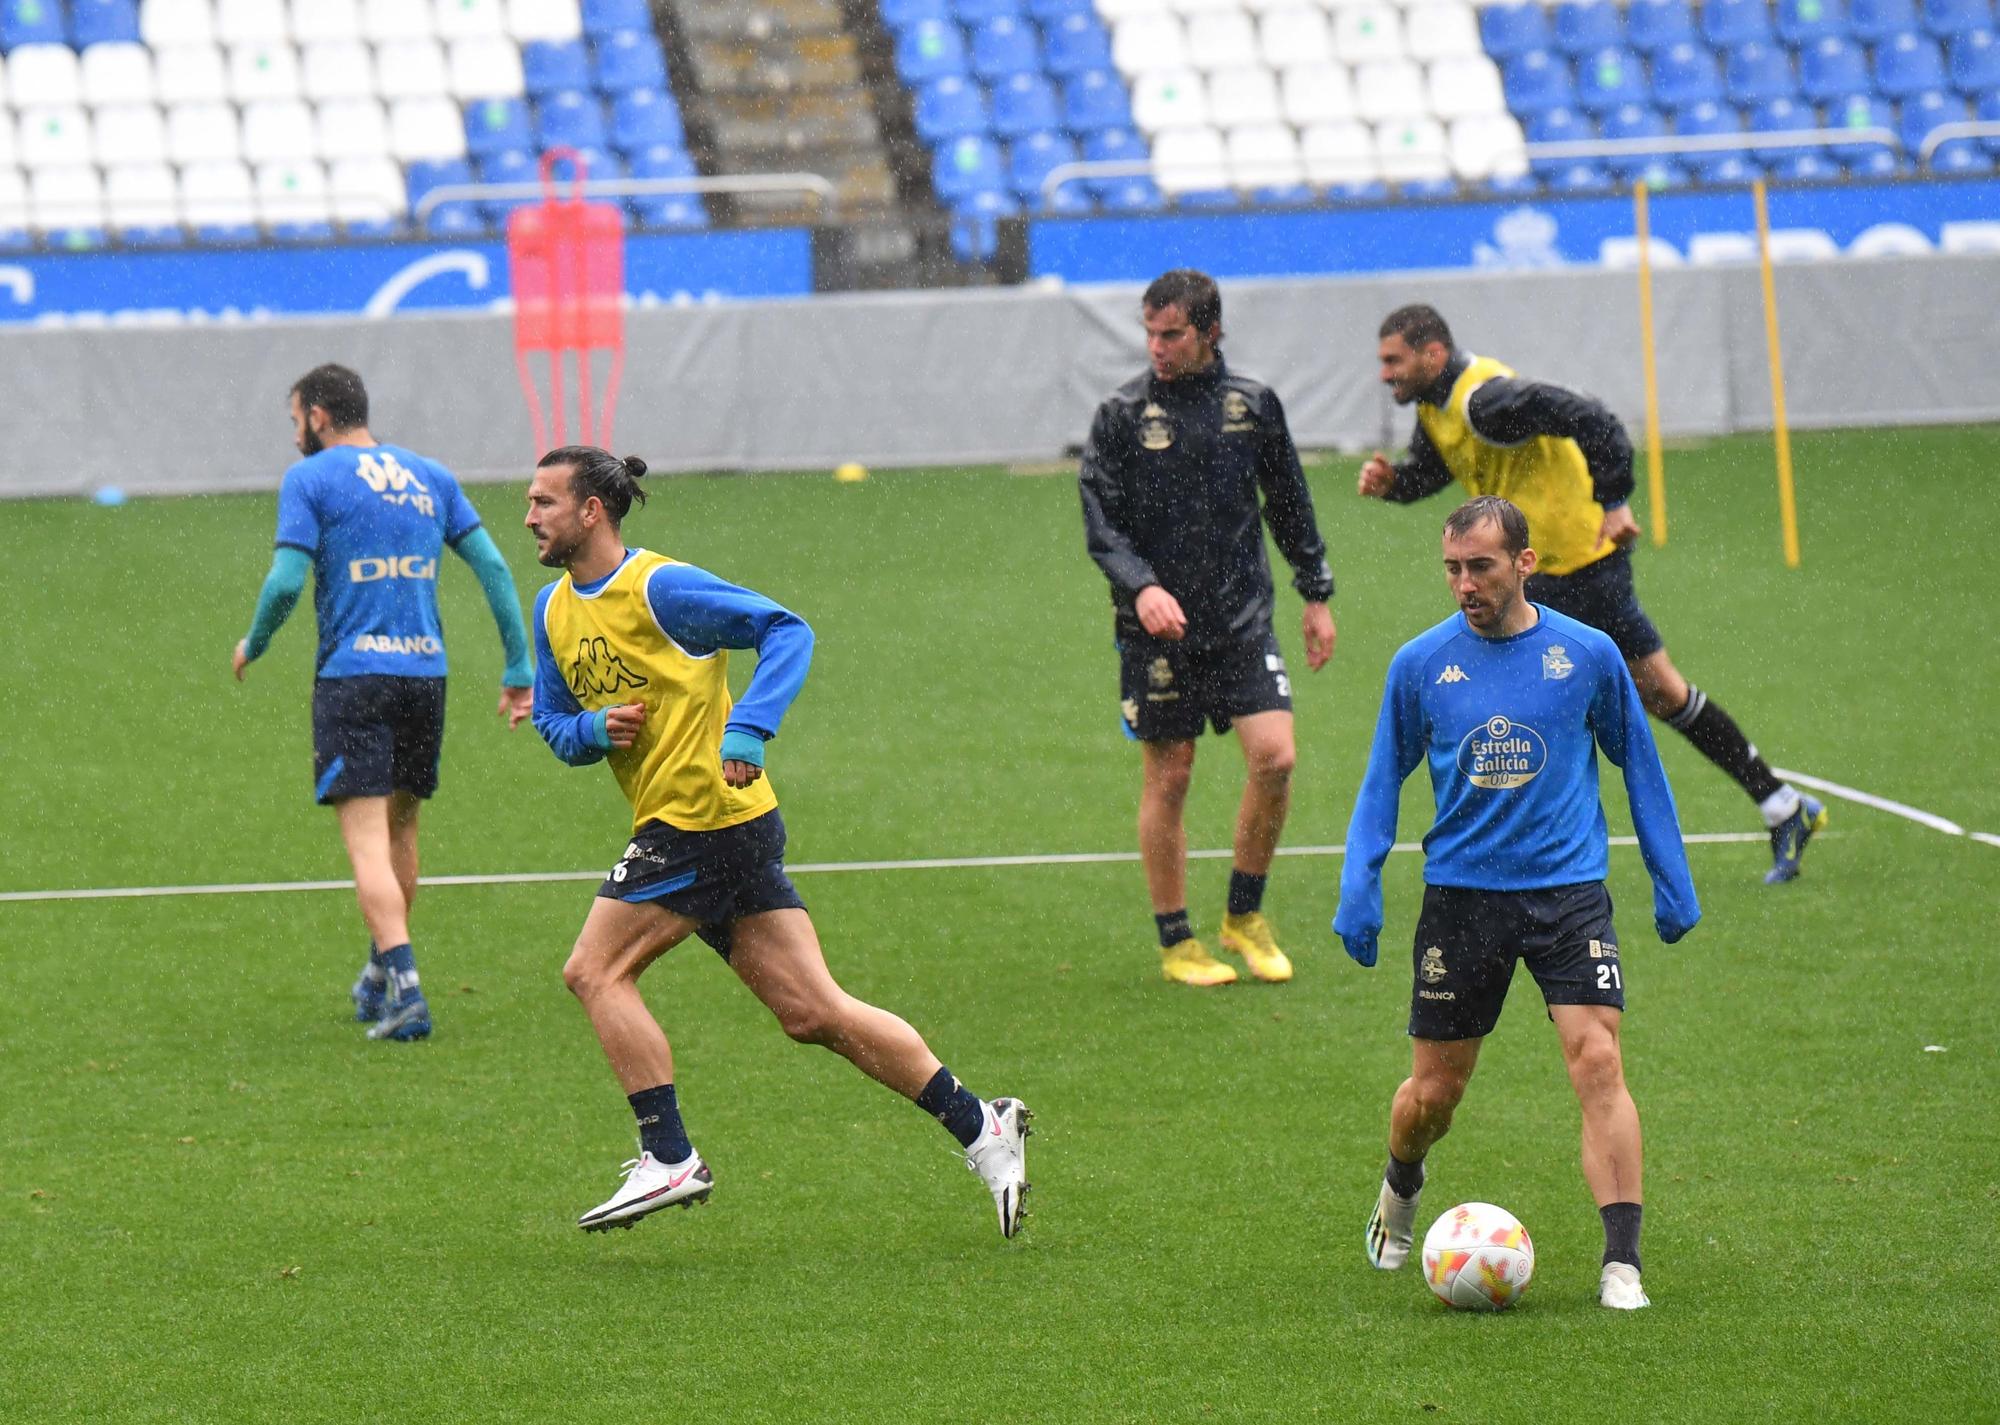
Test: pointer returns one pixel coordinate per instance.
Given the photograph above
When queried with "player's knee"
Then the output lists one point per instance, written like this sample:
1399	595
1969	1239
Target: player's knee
1595	1066
1274	764
1170	783
1438	1095
806	1020
585	973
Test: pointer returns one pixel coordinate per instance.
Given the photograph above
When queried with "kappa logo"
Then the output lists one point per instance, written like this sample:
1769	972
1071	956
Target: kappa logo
599	672
1555	662
1453	674
387	477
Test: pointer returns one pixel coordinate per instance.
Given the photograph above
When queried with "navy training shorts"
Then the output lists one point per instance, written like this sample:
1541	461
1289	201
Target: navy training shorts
711	877
374	734
1601	594
1467	942
1169	693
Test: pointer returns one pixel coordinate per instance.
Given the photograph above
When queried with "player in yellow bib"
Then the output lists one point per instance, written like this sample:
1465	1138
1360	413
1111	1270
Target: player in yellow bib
1565	461
632	662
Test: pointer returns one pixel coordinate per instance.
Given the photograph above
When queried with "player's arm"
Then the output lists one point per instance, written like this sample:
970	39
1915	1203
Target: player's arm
1288	508
1106	514
577	737
1420	474
297	540
702	613
1618	719
1371	830
1508	411
470	541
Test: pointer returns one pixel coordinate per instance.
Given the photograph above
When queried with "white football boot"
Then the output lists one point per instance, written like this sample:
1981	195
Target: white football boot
1000	1156
1619	1288
1390	1229
649	1186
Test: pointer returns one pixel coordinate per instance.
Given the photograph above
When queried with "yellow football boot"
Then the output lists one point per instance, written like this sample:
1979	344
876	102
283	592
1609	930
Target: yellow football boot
1187	962
1250	936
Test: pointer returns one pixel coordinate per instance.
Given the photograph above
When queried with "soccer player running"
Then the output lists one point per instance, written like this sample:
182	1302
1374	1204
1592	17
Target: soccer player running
1566	461
368	520
1176	461
632	668
1509	701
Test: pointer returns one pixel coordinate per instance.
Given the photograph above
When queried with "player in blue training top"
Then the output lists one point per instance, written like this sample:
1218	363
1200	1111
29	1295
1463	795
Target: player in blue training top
1509	702
369	520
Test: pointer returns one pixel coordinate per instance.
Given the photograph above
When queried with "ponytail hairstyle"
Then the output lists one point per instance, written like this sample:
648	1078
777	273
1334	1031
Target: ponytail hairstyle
614	482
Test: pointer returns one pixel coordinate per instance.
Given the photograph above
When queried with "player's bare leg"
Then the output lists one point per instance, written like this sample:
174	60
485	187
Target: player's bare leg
404	809
1419	1115
1168	769
618	942
396	1005
1612	1153
1269	754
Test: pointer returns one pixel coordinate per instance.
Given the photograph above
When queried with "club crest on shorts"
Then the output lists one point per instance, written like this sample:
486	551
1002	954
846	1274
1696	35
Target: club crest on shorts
1555	662
1432	968
1130	707
1155	433
1161	674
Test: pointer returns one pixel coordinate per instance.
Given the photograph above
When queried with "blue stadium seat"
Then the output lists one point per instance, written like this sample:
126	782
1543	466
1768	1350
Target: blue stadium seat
1094	100
1068	201
597	164
1113	146
948	108
1585	26
975	224
1537	82
207	234
664	161
1780	116
1047	11
105	22
1581	177
930	49
551	66
1946	18
1860	111
1517	29
1558	126
1514	185
1292	195
1832	67
1705	120
1209	199
1961	156
495	124
1908	64
1728	23
1024	104
1663	173
1654	25
1422	188
608	17
572	118
1005	46
1806	167
1758	71
1373	191
31	22
1133	195
1076	43
1873	21
151	238
1632	121
1685	74
670	211
630	59
899	15
1803	22
456	219
965	166
1608	78
1736	169
1989	110
978	12
1031	159
426	174
1975	63
1924	112
643	118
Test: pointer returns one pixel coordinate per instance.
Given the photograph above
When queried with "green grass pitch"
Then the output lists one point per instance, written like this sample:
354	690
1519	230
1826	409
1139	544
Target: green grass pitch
219	1203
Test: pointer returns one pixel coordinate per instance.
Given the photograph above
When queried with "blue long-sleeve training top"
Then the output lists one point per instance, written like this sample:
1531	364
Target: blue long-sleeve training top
1511	728
701	613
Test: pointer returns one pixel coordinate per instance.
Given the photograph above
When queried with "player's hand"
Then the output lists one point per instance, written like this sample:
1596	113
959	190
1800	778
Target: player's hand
1320	634
1361	945
1160	614
740	774
1620	527
1377	477
240	659
515	704
622	723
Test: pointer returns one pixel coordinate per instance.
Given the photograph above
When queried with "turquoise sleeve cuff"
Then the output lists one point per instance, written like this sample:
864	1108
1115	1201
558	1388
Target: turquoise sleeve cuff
600	735
282	587
479	551
740	746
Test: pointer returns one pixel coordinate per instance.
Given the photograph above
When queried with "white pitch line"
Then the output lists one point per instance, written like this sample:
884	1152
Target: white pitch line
809	868
1988	837
1869	799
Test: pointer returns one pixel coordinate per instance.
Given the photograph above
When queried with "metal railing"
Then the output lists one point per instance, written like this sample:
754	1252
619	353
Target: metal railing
818	185
1957	129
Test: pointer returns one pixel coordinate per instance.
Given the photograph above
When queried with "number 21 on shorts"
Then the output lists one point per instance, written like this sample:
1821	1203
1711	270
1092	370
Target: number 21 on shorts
1276	666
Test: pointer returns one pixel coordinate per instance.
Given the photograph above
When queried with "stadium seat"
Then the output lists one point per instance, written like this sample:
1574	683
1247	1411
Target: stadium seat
103	22
1113	146
1222	39
219	201
426	174
1294	35
1558	126
1190	161
948	108
1757	71
550	66
1515	29
457	220
1032	157
1873	21
1265	156
1169	99
1988	109
65	198
1923	113
367	191
1367	31
190	74
1413	151
930	49
1608	78
898	15
645	118
388	21
573	119
317	21
965	166
203	133
1961	156
608	17
1831	67
1207	199
117	73
1655	25
1860	111
1316	93
278	131
544	19
670	211
975	234
1633	121
1704	120
142	204
1095	99
1243	96
977	12
1077	43
1729	23
664	161
337	69
486	67
1805	22
1044	12
1807	167
1465	88
1145	43
163	23
123	134
492	125
630	60
1975	63
1440	29
1341	152
469	19
411	69
239	22
1581	176
1685	74
292	197
1492	147
1586	26
1538	81
1390	89
1004	47
1024	104
43	74
1948	18
263	70
1908	64
1779	116
353	128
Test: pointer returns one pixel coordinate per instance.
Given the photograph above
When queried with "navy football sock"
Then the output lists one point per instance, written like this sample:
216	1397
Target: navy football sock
401	964
1405	1180
954	1105
1621	1232
1246	892
1174	928
373	973
660	1132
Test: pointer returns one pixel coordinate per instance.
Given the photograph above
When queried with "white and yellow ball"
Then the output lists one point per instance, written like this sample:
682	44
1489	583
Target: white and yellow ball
1478	1257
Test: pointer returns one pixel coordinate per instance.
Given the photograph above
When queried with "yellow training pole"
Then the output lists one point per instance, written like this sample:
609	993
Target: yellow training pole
1788	515
1656	473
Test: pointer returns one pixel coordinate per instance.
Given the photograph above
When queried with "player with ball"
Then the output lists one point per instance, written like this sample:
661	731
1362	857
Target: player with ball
1509	702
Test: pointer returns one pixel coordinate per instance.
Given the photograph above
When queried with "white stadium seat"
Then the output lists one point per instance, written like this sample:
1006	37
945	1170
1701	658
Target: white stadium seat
65	198
1390	89
10	153
544	19
1146	43
43	74
1243	96
1339	152
339	69
240	22
176	22
1316	93
1295	36
1188	159
188	73
1112	11
117	74
1223	40
1191	8
1169	99
1491	147
353	128
129	134
1412	150
368	190
1266	7
1466	88
426	128
384	20
317	20
202	132
486	68
263	70
294	192
13	199
1265	156
1443	29
1365	32
411	69
279	131
218	194
56	136
468	19
141	195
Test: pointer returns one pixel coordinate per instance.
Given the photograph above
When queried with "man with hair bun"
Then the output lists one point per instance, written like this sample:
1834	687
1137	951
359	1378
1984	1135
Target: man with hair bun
632	656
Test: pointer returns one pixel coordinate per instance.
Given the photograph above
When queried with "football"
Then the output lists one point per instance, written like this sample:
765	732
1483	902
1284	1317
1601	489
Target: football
1478	1257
